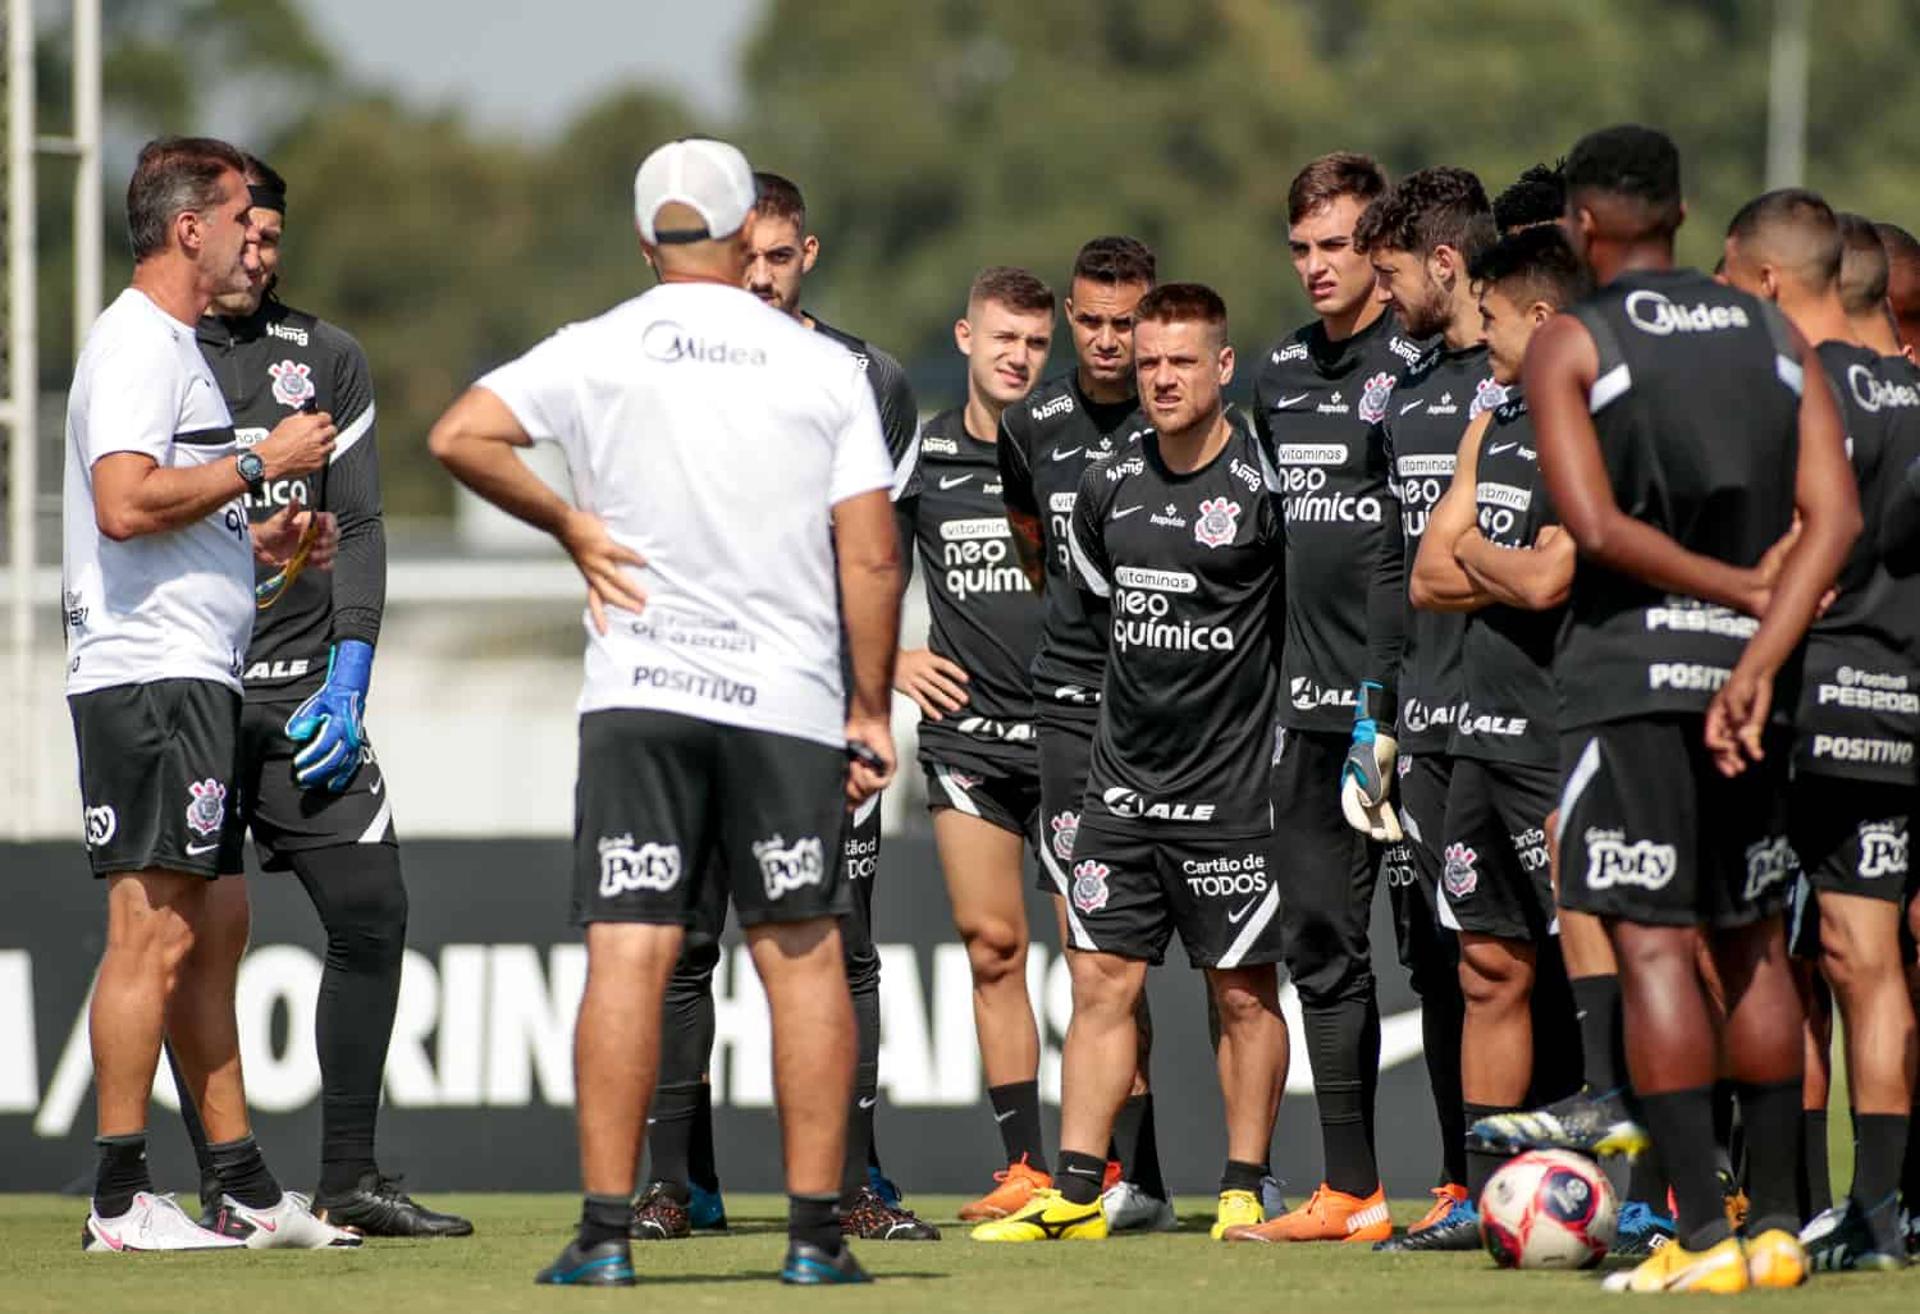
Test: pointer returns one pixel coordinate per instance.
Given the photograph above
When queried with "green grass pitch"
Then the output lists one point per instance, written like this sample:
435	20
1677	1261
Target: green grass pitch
43	1272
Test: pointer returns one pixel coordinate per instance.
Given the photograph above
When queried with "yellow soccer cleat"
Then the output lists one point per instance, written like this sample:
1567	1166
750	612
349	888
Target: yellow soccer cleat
1048	1216
1776	1258
1237	1209
1721	1268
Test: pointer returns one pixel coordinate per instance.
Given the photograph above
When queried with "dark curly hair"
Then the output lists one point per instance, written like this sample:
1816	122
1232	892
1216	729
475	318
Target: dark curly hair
1438	206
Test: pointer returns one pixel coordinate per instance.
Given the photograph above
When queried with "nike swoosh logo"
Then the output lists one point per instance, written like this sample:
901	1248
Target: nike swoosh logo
1498	448
1068	453
195	850
260	1222
1123	513
868	1102
1002	1117
1235	918
1412	405
109	1237
1285	402
946	483
379	783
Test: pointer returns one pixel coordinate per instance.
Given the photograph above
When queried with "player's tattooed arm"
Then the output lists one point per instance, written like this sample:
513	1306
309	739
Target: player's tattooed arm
1560	368
1029	546
1440	582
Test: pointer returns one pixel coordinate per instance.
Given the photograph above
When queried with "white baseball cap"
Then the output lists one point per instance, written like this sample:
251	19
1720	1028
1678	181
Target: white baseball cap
709	177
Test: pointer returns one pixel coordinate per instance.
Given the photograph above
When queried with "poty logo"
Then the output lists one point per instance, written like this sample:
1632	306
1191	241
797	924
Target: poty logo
292	383
667	342
1090	886
627	866
1373	397
1612	860
207	808
789	867
1066	829
1218	523
1651	312
1769	862
101	823
1883	850
1460	876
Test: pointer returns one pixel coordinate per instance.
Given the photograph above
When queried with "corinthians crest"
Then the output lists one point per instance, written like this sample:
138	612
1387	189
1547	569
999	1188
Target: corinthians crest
292	383
1219	521
1090	886
207	807
1373	397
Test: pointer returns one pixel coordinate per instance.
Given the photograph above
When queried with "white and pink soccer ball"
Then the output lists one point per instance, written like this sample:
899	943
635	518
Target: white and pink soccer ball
1548	1209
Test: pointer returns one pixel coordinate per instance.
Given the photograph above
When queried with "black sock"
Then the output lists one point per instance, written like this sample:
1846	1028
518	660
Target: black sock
815	1220
1647	1181
603	1218
1815	1185
1910	1174
1559	1049
1080	1176
1681	1124
1441	1013
1481	1164
243	1173
702	1170
670	1133
1242	1176
362	901
853	1171
1771	1117
1596	1001
1370	1073
120	1172
196	1132
863	977
1336	1036
1726	1128
1016	1107
1139	1146
1879	1149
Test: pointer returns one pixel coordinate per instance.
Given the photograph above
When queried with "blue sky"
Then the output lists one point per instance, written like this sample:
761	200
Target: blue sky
526	67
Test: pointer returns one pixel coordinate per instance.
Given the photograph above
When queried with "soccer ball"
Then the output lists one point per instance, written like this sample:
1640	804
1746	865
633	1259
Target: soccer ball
1548	1209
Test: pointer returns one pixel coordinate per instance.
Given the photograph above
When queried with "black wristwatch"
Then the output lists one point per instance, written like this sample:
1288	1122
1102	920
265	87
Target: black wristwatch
254	471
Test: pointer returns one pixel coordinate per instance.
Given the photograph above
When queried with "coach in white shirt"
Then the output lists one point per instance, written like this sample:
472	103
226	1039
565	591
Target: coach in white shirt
157	600
731	510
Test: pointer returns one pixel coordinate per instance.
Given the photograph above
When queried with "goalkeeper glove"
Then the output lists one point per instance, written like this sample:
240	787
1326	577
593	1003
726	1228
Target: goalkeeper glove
328	722
1367	776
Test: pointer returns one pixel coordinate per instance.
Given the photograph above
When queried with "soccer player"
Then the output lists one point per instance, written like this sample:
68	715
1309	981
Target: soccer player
308	786
1493	551
1179	540
1538	196
1903	283
1418	237
685	1192
157	602
1317	395
1857	720
731	476
1067	423
975	696
1670	816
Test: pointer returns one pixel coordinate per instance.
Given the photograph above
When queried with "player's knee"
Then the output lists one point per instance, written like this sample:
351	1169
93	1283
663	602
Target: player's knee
996	950
1852	958
1105	989
1240	1001
1493	976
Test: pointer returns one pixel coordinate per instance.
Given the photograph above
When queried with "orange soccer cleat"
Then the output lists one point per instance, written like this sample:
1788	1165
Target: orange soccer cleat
1016	1187
1329	1215
1446	1199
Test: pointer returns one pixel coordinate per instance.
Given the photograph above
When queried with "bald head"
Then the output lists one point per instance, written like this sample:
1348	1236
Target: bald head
1903	280
1785	241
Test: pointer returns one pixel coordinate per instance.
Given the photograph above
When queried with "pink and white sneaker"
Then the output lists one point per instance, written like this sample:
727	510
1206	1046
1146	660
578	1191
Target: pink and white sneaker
154	1222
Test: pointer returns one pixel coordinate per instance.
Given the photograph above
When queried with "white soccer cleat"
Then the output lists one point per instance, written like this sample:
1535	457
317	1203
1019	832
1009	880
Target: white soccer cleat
288	1225
154	1222
1130	1209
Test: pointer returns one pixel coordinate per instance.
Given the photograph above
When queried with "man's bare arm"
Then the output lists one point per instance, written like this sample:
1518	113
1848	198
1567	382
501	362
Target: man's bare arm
134	495
1536	580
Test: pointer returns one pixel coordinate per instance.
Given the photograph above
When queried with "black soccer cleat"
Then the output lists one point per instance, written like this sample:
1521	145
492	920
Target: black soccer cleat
378	1207
608	1264
1842	1240
872	1219
809	1266
1586	1122
657	1216
1458	1232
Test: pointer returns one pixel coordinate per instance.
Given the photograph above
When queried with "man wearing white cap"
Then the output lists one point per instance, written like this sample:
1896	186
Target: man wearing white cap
730	515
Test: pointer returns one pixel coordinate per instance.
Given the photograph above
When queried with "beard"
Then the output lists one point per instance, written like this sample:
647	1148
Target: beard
1428	315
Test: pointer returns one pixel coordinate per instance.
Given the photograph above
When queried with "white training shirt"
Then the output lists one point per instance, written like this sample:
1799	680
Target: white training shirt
713	435
176	605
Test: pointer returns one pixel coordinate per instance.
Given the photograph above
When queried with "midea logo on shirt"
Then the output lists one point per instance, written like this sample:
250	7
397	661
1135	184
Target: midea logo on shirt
666	341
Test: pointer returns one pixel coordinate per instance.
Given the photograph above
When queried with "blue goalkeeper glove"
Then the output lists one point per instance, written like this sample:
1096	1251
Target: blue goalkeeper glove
328	722
1367	776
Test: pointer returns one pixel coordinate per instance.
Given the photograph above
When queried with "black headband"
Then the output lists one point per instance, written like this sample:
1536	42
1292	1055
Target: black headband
682	237
268	198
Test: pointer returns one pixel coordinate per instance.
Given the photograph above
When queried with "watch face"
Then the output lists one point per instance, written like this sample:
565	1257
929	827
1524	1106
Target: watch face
252	467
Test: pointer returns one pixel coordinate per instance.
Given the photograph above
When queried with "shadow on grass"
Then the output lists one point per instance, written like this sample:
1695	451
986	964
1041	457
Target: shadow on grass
769	1275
